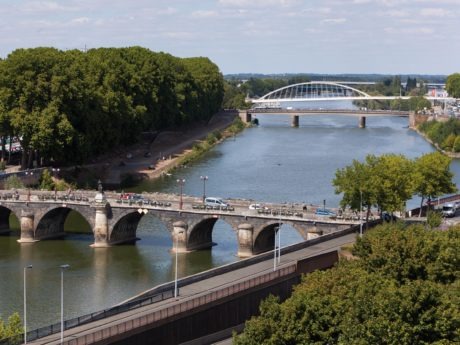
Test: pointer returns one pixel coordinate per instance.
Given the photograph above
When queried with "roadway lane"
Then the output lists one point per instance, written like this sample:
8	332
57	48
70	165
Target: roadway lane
200	288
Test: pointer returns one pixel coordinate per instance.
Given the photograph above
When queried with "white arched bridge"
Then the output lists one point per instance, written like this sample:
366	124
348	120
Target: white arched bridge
323	91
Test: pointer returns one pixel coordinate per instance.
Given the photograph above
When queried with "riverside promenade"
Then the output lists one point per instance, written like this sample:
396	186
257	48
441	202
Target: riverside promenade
201	293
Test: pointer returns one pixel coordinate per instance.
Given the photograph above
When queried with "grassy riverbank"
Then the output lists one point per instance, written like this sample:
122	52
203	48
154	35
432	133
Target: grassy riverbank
211	140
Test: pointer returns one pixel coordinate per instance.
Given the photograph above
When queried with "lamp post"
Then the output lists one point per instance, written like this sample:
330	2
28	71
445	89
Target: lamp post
63	267
279	238
274	249
25	303
361	213
175	270
55	171
204	179
181	182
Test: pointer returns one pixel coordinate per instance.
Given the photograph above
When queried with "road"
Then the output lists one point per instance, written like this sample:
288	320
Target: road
200	288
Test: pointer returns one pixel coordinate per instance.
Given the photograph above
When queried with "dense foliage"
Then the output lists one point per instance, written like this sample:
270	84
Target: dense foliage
71	105
11	329
402	289
444	134
453	85
388	181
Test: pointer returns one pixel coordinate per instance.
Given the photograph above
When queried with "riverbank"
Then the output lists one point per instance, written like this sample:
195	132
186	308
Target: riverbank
435	145
168	150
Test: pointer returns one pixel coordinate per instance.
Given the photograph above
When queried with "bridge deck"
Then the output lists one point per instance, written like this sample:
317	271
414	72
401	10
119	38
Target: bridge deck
196	289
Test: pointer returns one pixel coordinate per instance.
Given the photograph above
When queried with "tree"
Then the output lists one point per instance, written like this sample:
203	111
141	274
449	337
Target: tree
433	177
403	289
356	184
46	180
453	85
385	182
12	329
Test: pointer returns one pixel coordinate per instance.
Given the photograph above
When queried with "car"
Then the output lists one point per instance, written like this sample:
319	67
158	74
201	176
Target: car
449	210
255	207
324	212
212	201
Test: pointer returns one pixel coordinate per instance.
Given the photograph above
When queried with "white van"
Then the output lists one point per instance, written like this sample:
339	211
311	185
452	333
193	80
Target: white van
210	201
448	210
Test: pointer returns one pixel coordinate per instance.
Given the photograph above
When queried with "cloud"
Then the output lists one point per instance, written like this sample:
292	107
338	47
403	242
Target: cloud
434	12
416	31
258	3
334	21
204	14
45	6
396	13
80	20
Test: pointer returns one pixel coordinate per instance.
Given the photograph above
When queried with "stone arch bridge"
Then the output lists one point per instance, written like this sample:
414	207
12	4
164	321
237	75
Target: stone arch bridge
114	221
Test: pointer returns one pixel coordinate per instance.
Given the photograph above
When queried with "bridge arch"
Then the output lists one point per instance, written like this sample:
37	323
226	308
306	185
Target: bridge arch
264	237
5	213
50	223
200	234
322	90
125	228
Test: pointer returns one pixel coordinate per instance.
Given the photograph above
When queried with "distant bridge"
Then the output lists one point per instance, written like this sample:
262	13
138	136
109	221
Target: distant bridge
324	91
113	220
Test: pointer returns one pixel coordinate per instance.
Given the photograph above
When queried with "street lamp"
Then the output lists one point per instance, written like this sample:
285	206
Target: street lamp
279	238
175	271
25	303
63	267
204	179
181	182
55	171
361	213
274	249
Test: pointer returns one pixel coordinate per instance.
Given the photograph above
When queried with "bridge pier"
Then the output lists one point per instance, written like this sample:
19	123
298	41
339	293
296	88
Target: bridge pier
27	227
295	121
179	237
245	240
245	116
362	122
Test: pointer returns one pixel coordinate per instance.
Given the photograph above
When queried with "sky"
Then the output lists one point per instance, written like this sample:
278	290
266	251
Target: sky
252	36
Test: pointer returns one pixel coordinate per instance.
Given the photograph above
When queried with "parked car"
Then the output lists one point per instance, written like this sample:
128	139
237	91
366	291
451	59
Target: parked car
324	212
255	207
449	210
211	201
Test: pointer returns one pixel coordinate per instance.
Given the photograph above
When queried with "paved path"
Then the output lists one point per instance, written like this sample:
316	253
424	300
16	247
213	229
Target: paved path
205	286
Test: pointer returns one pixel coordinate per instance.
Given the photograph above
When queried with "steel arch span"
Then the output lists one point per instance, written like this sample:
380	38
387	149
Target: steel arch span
313	91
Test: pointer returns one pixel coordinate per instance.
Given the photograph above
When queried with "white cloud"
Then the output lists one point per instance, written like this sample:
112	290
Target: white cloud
80	20
434	12
416	31
258	3
204	14
396	13
334	21
45	6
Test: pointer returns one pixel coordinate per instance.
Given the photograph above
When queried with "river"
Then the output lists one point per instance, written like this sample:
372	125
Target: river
272	162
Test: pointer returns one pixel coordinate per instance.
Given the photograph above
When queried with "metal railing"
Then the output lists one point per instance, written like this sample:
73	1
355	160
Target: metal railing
81	320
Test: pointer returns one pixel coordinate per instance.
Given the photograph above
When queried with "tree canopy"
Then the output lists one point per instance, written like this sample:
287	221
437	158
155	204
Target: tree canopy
402	289
72	105
453	85
388	181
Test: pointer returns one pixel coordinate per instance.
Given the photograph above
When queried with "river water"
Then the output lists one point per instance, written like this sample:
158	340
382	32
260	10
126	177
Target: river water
272	162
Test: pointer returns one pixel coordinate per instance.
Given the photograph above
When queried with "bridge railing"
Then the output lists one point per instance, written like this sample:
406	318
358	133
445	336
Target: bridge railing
81	320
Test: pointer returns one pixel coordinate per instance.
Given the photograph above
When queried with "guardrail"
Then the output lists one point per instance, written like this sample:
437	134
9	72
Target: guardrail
81	320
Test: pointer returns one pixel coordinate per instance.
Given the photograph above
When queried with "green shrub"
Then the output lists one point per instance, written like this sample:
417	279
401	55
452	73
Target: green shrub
46	181
13	182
